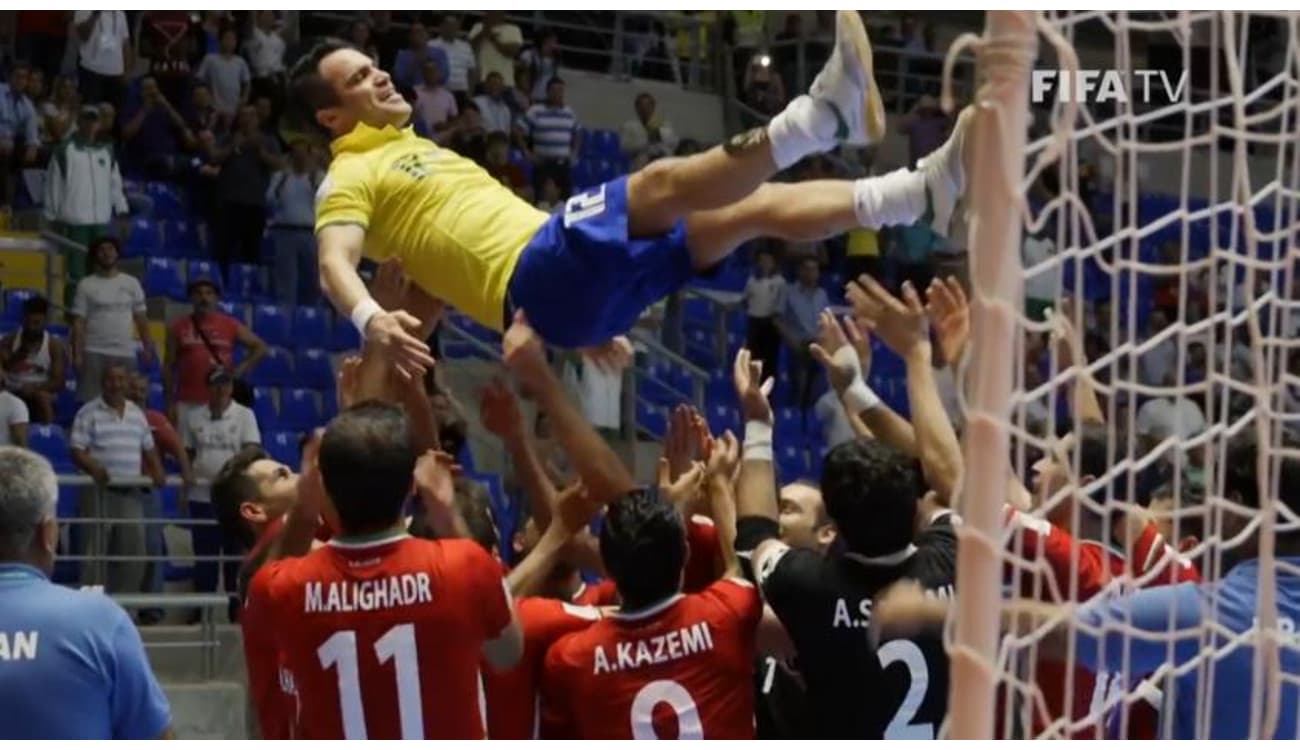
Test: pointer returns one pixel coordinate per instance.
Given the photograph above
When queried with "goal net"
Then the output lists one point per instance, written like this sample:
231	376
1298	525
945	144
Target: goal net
1135	230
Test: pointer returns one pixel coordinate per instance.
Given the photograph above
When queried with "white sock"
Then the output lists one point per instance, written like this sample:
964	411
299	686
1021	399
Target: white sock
897	198
801	129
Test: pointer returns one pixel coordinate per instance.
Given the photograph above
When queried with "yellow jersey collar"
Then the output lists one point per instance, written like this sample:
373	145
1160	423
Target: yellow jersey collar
366	137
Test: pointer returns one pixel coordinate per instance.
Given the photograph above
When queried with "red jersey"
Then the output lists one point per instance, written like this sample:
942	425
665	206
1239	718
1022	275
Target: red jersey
600	594
270	688
383	638
1153	562
682	669
512	695
193	357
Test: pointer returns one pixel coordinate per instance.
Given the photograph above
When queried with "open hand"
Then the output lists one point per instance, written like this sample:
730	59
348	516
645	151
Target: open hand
901	324
435	478
949	313
613	356
844	350
685	489
724	459
348	379
394	333
522	352
499	411
752	392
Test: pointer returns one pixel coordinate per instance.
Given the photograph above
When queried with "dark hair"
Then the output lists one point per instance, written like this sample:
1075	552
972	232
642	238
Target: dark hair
36	306
467	106
1190	497
366	461
231	488
309	92
228	30
496	136
643	546
554	80
104	239
494	73
870	491
1242	480
474	504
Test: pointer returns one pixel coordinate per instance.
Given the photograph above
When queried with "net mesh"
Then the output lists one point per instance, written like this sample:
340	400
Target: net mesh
1156	298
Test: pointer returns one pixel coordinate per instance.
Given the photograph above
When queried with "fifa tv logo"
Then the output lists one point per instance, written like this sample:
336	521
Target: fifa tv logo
1105	86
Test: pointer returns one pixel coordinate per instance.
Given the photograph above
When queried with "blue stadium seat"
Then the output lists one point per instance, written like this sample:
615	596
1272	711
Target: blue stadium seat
183	239
51	441
144	239
345	338
241	311
652	418
65	403
205	269
264	407
314	369
275	369
789	425
583	175
162	278
245	283
792	461
603	144
283	447
329	404
14	299
311	327
722	418
300	409
168	200
156	399
272	323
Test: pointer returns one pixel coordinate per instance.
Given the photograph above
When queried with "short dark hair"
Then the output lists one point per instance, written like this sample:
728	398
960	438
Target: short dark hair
366	462
554	80
495	137
230	489
104	239
496	74
309	92
1242	480
1189	497
37	305
474	505
643	546
870	491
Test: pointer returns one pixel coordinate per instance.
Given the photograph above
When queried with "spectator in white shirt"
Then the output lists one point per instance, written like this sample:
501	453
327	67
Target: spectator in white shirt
497	117
111	441
542	62
497	43
1044	287
462	68
103	56
213	436
1156	364
34	361
764	299
1168	416
107	308
647	136
265	50
14	416
227	74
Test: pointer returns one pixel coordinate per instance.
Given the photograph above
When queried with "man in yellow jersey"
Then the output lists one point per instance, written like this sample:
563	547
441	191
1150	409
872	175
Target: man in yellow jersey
584	275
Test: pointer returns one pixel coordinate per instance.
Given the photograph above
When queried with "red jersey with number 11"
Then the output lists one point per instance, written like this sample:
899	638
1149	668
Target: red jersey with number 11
383	638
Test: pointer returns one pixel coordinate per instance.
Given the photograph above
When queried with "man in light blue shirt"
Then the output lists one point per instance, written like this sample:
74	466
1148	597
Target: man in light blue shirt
72	665
804	302
1141	632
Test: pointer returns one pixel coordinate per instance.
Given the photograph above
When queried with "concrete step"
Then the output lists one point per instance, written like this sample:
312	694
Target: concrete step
208	710
178	653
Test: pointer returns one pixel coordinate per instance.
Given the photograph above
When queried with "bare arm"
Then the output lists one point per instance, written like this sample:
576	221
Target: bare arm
85	27
169	370
78	340
499	411
756	487
723	460
142	330
601	470
18	434
300	523
252	342
58	367
153	467
1084	402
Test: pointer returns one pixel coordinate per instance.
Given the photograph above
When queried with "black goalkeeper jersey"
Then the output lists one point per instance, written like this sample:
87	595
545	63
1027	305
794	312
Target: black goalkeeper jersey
897	689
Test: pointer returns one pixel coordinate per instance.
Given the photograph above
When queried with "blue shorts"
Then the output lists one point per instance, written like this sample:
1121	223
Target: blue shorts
583	281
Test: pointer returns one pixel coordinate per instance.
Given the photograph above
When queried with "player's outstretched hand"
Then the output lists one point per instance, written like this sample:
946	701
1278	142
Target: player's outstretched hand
522	352
435	478
901	324
945	303
348	381
684	442
499	410
613	356
751	390
1069	347
843	349
685	489
394	333
724	458
574	509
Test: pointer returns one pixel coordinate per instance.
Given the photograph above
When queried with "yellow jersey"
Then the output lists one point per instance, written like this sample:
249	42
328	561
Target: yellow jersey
458	231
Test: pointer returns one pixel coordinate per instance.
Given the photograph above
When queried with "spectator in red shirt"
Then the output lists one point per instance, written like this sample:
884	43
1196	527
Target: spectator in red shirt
196	343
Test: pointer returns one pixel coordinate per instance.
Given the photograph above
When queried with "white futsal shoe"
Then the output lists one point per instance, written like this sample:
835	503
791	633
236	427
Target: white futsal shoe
945	175
847	85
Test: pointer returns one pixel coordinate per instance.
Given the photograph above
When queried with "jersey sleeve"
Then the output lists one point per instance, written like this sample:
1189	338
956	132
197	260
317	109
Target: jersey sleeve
702	563
740	598
1043	540
487	591
345	196
547	620
787	577
555	718
1135	631
138	704
1155	562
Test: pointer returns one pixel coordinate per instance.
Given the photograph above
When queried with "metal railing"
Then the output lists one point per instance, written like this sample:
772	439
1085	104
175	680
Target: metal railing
208	641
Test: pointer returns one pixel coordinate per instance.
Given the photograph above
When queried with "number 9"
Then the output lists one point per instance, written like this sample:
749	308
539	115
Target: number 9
681	702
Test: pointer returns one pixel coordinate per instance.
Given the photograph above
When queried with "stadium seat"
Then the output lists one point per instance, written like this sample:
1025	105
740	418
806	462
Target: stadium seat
300	409
264	408
275	369
241	311
284	447
314	369
602	144
183	239
311	327
156	398
162	278
722	418
168	200
651	417
345	338
792	461
14	299
272	323
789	425
66	404
245	283
205	269
51	441
143	240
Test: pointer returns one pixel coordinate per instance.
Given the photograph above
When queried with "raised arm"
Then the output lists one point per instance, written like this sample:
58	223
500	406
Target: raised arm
756	487
499	411
902	326
1084	402
600	468
339	247
724	458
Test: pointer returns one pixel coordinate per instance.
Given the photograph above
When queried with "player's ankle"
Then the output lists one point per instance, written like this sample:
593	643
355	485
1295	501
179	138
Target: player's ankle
806	126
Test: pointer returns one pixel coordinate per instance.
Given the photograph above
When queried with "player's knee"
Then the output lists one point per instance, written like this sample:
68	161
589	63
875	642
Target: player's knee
655	187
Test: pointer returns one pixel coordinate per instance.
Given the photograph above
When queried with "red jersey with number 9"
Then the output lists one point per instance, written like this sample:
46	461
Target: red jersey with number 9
680	670
383	638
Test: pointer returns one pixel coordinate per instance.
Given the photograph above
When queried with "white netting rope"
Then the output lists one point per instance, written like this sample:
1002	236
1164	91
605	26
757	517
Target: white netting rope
1233	173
